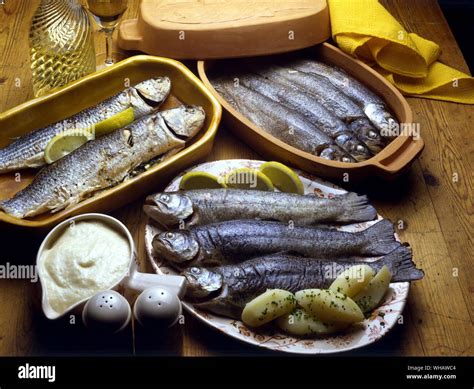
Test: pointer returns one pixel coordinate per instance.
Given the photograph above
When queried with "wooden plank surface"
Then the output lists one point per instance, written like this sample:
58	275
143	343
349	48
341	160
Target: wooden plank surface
434	200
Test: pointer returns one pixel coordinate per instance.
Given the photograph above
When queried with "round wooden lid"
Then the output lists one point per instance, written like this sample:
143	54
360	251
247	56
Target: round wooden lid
204	29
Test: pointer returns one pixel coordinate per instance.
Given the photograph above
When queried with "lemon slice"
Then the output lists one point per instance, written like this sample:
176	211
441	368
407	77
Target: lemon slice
246	178
283	177
200	180
115	122
65	143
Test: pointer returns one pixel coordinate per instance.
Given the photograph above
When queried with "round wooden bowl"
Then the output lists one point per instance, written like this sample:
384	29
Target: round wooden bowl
390	162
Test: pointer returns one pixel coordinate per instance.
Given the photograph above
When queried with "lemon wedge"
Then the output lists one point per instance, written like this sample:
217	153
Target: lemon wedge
282	177
200	180
115	122
65	143
246	178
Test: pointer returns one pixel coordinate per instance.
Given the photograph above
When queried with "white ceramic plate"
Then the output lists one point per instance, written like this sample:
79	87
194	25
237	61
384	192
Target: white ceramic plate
370	330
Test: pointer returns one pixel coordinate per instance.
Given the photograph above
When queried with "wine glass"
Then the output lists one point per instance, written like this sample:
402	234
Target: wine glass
107	14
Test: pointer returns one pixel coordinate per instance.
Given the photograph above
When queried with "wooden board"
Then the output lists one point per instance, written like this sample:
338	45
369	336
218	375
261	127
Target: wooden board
196	29
436	210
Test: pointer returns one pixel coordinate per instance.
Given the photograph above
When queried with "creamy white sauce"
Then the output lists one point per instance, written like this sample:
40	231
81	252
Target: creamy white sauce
88	257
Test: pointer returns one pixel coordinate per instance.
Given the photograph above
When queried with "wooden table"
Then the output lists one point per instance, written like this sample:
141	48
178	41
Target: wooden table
434	200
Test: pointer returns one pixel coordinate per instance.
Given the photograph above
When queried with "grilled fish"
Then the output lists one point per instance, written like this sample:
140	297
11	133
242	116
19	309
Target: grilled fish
238	240
225	290
28	150
105	161
314	112
333	99
279	121
198	207
372	105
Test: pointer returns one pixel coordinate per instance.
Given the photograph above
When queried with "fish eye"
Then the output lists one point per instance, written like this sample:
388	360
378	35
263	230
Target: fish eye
372	134
170	235
360	148
164	197
195	270
345	159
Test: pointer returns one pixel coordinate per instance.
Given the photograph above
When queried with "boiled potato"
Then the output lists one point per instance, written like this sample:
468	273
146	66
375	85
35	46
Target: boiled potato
300	323
372	294
268	306
331	306
353	280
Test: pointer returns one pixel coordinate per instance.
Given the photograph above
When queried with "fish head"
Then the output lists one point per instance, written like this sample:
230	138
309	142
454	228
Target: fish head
176	246
168	209
201	282
383	120
334	153
368	134
353	146
185	121
154	90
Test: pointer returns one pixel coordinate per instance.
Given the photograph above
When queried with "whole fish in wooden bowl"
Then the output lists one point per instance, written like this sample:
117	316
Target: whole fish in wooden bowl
318	109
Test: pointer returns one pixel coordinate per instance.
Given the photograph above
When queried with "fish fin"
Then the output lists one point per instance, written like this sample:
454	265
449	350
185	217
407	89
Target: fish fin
172	152
380	238
61	206
283	252
401	265
8	165
358	209
68	201
6	207
69	204
221	307
35	161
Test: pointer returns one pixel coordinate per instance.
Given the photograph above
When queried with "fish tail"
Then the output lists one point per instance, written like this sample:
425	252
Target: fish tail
14	206
380	239
4	160
358	209
401	265
6	206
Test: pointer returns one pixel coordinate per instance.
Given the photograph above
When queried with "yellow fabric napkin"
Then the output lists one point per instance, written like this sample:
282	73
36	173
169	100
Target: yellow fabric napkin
366	30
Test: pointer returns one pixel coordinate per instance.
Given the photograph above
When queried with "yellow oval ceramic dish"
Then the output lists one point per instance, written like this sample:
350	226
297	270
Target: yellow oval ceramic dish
90	90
